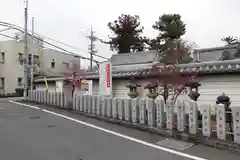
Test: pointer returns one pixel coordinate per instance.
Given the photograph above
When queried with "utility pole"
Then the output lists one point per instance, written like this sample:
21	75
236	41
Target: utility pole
92	46
25	50
32	58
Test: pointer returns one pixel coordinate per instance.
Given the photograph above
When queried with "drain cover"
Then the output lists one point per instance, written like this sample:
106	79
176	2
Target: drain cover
175	144
51	126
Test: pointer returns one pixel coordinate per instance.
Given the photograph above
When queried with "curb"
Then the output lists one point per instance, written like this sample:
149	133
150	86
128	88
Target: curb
196	139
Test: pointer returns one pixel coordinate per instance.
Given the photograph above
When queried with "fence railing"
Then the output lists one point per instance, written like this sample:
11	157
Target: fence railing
152	113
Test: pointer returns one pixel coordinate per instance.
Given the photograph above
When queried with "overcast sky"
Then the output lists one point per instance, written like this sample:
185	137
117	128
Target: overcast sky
70	20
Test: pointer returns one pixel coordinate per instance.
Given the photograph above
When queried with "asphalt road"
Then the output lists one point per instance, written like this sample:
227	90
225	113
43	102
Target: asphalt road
32	134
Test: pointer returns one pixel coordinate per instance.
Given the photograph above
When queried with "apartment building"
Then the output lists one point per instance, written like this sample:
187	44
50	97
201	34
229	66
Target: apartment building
12	62
215	53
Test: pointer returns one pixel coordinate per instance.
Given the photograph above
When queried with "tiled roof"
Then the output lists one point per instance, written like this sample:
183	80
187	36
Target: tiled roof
227	66
217	67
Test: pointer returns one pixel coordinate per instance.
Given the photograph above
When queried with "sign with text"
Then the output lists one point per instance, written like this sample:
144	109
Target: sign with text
105	78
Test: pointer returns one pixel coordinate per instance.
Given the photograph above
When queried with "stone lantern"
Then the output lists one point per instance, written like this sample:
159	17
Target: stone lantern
133	90
193	84
152	90
225	100
194	95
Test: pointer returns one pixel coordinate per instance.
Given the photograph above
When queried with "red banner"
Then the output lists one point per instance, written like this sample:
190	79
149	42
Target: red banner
108	75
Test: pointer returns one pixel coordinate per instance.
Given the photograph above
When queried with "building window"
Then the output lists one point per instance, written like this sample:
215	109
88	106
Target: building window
53	63
2	83
20	79
20	58
36	60
2	57
29	59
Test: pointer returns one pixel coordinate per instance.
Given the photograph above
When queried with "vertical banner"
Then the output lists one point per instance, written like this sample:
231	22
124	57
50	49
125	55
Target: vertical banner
108	70
105	78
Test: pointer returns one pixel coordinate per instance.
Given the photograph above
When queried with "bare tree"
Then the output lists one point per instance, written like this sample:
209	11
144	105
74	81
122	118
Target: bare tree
168	79
76	74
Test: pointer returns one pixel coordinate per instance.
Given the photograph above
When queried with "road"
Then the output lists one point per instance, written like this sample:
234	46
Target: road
33	134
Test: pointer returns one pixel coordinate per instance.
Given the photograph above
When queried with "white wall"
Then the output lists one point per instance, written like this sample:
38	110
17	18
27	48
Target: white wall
51	87
211	87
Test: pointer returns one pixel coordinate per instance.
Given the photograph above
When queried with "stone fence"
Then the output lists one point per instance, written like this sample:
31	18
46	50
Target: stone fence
152	113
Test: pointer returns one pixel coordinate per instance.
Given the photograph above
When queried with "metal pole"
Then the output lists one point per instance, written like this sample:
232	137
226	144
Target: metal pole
91	49
25	51
32	58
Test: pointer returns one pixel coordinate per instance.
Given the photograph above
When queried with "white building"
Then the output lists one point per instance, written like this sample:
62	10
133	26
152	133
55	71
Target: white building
12	67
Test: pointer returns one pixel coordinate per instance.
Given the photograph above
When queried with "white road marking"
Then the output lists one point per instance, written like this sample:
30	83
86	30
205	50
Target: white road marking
115	133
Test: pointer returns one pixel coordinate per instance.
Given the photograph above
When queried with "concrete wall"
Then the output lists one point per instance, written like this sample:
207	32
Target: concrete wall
62	61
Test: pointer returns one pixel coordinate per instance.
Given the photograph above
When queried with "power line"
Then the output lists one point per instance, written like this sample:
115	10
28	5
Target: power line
7	36
69	45
21	30
60	42
40	39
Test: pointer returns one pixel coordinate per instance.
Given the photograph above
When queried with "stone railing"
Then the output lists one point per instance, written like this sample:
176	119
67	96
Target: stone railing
152	113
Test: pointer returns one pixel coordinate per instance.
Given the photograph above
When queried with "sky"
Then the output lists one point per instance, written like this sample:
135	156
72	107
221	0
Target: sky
69	21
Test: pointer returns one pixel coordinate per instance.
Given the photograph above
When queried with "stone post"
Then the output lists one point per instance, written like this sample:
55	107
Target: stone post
89	104
151	110
98	105
114	108
74	101
135	110
160	113
206	120
193	117
221	122
127	110
170	114
94	104
142	111
108	102
223	103
236	124
181	118
120	109
103	107
84	103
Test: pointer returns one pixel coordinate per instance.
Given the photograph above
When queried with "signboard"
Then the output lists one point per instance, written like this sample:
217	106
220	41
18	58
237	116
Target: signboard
108	70
105	78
